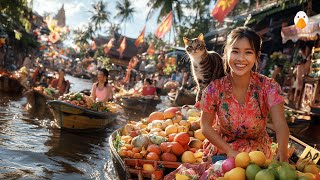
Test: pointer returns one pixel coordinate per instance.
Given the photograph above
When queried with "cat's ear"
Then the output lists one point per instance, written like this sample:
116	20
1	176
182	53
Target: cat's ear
185	40
200	37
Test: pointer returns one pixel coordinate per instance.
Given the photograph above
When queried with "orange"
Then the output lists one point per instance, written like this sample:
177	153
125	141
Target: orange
152	156
258	158
177	148
168	157
183	138
188	157
237	173
154	148
242	160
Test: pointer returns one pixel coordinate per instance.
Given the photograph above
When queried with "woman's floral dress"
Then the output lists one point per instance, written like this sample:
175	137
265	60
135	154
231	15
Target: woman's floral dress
243	126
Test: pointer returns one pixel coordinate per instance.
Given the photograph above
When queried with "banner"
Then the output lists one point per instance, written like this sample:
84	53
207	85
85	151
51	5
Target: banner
140	38
151	50
165	26
223	8
122	46
108	46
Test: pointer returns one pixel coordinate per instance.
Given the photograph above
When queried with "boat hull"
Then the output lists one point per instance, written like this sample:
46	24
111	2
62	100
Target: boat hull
10	84
73	117
37	103
139	104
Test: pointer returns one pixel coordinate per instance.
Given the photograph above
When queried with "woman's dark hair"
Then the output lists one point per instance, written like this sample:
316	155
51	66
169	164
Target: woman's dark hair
148	80
106	74
239	33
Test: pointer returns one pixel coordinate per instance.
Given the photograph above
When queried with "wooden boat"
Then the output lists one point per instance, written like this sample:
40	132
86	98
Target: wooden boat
68	116
182	97
141	104
128	168
8	83
37	103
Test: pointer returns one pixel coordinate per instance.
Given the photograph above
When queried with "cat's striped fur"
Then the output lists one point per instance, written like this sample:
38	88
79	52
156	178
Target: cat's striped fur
206	65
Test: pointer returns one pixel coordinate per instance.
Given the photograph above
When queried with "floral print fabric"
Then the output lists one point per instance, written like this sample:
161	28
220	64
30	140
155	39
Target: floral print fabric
243	126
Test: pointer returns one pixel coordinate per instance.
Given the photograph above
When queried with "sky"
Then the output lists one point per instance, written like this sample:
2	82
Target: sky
77	15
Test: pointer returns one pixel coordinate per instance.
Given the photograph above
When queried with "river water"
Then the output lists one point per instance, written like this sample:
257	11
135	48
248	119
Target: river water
32	148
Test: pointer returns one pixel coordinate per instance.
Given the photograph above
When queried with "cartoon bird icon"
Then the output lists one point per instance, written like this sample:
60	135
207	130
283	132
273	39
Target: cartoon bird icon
301	20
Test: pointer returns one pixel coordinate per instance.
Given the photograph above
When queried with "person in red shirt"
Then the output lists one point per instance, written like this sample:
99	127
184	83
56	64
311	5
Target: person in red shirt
61	84
148	89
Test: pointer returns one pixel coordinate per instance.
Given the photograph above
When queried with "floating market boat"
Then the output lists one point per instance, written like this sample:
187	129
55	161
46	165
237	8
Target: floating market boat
72	117
128	168
130	145
10	83
137	103
37	102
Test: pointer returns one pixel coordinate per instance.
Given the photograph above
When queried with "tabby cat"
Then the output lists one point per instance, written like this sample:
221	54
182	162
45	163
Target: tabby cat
205	65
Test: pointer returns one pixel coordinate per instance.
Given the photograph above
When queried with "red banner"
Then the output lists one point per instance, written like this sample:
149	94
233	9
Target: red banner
151	50
122	46
140	39
223	8
165	26
108	46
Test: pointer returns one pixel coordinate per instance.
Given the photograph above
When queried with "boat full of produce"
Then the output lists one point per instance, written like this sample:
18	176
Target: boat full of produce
78	111
168	145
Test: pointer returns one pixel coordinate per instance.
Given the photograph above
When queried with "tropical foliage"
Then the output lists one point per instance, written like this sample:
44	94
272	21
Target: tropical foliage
125	12
99	14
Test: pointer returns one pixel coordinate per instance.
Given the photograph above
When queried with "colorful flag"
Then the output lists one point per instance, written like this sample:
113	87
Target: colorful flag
151	50
93	45
223	8
140	39
108	46
165	26
122	46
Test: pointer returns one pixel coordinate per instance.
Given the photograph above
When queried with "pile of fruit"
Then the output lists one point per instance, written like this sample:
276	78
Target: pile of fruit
163	136
82	100
171	85
47	91
255	166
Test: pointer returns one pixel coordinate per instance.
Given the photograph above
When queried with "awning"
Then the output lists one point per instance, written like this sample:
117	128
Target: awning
308	33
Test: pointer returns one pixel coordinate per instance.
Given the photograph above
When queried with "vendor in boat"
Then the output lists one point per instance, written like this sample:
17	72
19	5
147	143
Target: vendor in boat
102	91
234	109
60	83
148	88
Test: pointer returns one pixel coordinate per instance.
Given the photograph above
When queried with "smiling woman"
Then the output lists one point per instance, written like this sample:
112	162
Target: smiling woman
241	100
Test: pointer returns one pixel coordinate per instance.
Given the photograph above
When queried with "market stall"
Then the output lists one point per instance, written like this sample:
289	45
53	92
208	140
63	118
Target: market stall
308	101
310	32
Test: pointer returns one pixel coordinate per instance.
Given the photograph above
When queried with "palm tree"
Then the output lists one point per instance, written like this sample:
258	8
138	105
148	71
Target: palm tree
83	35
113	28
125	11
166	6
99	14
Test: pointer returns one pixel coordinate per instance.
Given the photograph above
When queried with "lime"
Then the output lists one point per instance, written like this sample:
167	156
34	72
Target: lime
251	171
